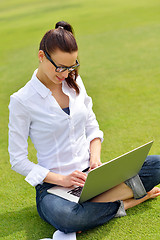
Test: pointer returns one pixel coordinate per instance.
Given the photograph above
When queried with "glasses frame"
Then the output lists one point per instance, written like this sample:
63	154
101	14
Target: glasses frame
70	69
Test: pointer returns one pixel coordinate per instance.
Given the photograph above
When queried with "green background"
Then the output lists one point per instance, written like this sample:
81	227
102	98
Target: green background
119	53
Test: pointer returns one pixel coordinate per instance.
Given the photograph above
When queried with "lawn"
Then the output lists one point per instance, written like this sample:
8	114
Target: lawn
119	53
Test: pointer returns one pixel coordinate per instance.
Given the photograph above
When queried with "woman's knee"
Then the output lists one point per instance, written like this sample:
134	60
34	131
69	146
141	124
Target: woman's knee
153	159
150	172
152	164
73	219
62	214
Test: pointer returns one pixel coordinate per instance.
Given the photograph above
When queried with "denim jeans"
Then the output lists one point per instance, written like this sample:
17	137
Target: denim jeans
72	217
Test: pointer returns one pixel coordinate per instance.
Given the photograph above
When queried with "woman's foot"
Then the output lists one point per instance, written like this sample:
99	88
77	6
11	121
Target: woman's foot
129	203
155	192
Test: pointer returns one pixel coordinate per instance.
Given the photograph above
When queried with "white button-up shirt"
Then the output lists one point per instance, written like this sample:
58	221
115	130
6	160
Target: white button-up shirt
61	140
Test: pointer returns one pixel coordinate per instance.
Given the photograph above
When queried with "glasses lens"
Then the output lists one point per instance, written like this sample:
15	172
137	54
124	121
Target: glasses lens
60	69
73	68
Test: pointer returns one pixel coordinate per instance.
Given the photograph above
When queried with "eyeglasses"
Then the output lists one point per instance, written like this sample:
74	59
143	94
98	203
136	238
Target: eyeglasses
61	69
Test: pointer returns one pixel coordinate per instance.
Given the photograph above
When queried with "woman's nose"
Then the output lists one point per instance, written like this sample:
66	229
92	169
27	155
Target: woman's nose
65	74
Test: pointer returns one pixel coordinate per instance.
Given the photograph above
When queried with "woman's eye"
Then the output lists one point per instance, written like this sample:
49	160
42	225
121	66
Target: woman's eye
59	69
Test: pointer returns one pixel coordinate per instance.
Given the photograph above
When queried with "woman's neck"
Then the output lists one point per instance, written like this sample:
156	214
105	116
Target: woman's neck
47	82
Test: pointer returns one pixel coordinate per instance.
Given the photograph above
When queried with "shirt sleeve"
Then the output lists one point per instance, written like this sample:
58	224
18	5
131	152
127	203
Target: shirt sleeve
19	125
92	126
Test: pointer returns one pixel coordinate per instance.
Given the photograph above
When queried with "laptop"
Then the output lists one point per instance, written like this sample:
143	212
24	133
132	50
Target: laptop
106	176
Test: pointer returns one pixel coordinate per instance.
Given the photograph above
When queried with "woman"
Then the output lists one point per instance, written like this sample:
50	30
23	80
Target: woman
54	109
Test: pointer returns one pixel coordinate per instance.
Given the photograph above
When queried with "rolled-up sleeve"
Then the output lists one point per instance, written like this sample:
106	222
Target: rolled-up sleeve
92	126
19	126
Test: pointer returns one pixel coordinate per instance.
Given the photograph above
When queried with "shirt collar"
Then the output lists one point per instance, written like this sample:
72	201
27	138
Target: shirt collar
67	90
39	86
44	91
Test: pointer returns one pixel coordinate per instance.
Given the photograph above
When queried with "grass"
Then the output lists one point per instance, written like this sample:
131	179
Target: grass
119	53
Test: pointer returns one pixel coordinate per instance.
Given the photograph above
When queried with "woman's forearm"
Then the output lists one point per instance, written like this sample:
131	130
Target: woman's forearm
54	178
77	178
95	153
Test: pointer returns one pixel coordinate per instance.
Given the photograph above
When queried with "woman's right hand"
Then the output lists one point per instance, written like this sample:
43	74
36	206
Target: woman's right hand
75	178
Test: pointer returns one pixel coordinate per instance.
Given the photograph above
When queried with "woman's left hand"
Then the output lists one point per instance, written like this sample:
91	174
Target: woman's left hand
94	164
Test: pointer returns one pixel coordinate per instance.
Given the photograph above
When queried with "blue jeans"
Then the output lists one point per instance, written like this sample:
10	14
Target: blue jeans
72	217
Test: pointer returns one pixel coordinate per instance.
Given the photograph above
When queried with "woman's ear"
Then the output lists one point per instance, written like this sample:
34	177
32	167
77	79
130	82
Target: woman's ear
41	55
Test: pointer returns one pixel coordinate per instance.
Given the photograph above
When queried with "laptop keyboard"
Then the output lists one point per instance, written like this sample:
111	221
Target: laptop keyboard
76	191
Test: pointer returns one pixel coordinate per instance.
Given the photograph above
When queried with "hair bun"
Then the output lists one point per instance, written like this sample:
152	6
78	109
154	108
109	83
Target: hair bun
64	25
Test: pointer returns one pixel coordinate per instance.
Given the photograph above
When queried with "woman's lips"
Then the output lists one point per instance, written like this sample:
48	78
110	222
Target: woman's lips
60	79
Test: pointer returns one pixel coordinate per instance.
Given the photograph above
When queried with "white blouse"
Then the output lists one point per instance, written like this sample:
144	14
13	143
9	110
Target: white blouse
62	141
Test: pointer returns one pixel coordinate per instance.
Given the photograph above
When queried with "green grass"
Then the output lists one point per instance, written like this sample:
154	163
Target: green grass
119	54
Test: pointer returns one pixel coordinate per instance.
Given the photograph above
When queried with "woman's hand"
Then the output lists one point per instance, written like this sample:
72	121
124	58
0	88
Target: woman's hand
94	163
75	178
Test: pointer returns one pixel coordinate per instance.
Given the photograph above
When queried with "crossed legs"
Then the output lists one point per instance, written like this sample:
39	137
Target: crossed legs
150	177
72	217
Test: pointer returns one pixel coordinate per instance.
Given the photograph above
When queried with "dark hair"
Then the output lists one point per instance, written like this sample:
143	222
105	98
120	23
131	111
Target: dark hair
61	38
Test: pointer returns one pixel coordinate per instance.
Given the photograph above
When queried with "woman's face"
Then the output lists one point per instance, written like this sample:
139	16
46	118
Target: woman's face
47	73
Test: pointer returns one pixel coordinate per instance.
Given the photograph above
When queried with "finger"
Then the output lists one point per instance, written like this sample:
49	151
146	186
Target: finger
77	183
77	179
93	166
80	175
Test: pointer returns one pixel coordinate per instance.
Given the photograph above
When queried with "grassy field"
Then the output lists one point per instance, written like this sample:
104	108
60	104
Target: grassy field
119	52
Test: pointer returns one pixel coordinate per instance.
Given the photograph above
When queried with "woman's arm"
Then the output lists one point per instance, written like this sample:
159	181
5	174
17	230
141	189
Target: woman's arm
92	126
19	127
95	153
75	178
93	134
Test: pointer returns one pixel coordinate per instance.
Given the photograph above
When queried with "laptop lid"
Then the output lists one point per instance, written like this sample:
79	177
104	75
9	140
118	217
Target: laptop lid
114	172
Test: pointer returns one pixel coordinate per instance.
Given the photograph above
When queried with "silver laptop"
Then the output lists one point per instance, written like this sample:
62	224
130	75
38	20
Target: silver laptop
106	176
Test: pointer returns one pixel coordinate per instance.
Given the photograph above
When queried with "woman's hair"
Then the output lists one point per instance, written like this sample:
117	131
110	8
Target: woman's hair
61	38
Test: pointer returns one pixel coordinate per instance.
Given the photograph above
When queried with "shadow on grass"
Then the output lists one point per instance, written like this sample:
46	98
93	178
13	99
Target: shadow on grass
121	228
26	220
33	227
